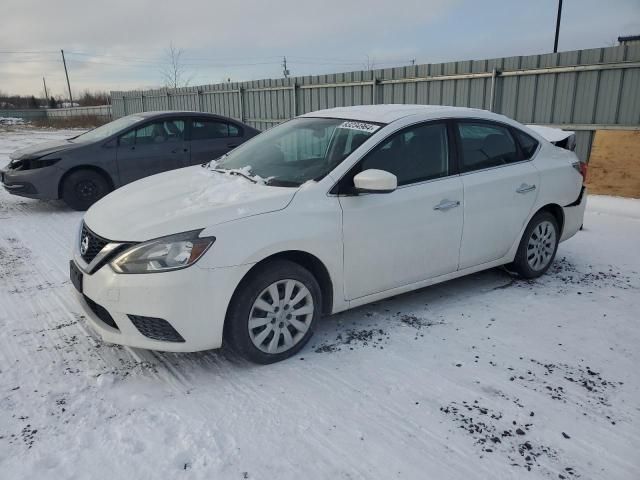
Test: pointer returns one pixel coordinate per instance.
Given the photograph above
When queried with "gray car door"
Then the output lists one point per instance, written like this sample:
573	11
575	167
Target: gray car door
211	139
154	147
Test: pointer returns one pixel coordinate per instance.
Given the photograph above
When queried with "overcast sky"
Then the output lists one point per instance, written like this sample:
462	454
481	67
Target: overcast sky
120	44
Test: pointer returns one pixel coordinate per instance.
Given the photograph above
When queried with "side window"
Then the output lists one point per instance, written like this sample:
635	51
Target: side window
234	131
156	132
528	144
128	138
209	130
412	155
486	145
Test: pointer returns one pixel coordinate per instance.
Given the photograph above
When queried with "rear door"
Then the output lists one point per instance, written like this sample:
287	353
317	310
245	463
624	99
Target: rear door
413	233
212	138
500	189
152	148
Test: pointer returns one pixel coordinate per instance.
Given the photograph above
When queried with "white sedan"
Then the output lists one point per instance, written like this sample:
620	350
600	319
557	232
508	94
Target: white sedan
328	211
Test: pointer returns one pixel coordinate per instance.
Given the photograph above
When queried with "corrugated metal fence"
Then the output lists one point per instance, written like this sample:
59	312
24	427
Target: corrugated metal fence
582	90
98	111
29	114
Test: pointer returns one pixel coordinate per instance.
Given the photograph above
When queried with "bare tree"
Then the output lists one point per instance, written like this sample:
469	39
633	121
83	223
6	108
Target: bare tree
174	73
612	42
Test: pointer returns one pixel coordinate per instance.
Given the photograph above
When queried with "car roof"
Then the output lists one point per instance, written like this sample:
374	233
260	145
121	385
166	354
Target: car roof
388	113
165	113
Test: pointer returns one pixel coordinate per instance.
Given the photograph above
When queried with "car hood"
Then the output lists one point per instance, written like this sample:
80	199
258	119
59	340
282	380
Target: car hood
181	200
42	149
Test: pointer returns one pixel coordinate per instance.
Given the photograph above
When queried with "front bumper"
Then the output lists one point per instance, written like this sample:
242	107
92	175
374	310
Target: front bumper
192	300
41	183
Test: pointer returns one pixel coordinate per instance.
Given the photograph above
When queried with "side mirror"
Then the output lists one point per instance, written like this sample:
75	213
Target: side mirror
375	181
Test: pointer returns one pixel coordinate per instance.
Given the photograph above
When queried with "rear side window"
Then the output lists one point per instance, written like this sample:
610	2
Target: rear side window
486	145
209	130
156	132
528	144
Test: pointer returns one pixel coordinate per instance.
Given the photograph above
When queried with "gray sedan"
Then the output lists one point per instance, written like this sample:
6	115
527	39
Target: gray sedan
83	169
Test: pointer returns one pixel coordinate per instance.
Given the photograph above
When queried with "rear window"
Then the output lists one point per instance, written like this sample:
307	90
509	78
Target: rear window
528	144
486	145
211	129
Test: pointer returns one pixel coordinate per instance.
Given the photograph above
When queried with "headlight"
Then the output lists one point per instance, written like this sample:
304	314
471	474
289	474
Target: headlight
163	254
32	163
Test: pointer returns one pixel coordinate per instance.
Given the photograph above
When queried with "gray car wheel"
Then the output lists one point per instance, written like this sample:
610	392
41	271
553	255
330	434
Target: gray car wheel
83	188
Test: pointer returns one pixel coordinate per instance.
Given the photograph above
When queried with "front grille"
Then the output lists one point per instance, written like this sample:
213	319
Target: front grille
101	313
156	328
95	244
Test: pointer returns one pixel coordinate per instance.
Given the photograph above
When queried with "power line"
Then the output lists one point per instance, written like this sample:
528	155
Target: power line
29	52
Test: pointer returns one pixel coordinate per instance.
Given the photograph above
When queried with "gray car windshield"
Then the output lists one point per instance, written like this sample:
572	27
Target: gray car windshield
299	150
108	129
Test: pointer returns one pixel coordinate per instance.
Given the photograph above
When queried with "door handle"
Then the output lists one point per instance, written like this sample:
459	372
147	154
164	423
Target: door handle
232	145
525	188
445	205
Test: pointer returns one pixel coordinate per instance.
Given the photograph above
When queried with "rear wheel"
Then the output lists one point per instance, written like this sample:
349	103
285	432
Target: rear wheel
538	246
273	313
83	188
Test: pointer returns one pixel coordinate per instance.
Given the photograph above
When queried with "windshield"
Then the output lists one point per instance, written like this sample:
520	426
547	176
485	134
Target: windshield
299	150
108	129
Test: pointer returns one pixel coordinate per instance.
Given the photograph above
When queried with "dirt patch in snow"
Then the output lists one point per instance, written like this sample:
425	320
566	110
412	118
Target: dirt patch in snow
495	435
14	257
573	279
579	385
374	337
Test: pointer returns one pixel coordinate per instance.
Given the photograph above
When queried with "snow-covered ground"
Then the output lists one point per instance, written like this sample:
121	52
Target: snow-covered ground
482	377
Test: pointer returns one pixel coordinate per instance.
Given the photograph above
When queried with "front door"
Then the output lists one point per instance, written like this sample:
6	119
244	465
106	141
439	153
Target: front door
153	148
500	188
412	233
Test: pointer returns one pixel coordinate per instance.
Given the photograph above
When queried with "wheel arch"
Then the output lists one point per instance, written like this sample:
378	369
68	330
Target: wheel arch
555	210
305	260
76	168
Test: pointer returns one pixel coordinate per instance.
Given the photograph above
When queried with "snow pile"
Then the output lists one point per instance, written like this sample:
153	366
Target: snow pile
11	121
223	188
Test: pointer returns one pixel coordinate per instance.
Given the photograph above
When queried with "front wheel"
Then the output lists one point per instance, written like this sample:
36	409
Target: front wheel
83	188
538	246
274	312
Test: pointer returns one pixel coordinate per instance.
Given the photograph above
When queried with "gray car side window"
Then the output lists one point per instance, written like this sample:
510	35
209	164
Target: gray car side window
161	131
128	138
212	129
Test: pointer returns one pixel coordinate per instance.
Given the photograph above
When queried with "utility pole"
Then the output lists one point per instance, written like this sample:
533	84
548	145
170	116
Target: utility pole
67	75
46	94
555	43
285	71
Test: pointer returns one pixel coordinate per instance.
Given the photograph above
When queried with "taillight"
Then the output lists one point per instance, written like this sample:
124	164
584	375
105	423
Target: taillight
581	167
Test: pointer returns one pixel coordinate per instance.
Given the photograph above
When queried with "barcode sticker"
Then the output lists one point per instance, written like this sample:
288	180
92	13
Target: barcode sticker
362	126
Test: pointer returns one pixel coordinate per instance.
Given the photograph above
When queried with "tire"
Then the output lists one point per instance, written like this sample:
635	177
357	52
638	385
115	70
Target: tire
83	188
534	257
254	319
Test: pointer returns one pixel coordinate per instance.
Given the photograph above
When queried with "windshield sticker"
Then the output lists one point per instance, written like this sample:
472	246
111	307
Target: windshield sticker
363	127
